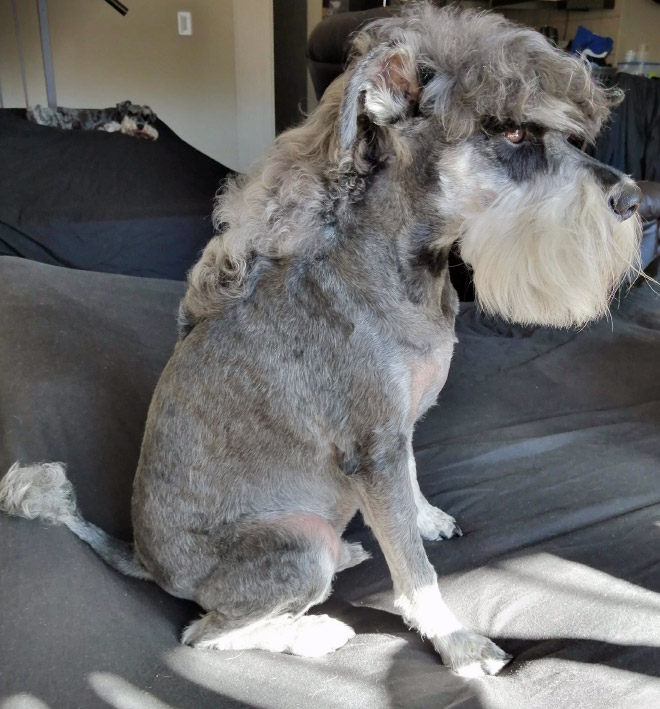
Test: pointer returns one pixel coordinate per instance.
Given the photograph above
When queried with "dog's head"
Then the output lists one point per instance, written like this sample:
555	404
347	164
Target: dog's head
486	116
141	116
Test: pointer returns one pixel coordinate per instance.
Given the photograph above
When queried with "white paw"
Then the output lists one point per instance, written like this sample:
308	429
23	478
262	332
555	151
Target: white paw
316	635
471	655
434	524
308	636
202	633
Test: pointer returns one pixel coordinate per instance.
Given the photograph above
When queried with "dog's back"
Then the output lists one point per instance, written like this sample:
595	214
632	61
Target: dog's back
271	401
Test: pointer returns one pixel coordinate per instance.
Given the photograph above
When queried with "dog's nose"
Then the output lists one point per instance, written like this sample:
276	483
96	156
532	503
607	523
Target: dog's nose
625	201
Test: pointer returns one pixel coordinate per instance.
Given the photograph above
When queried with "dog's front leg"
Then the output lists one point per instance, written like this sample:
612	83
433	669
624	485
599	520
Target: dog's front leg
432	522
388	504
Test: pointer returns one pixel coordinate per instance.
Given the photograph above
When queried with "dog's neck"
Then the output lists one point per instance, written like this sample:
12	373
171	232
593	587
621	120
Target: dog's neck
385	247
403	223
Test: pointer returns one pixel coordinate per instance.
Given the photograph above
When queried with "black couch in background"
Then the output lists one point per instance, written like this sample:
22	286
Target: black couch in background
104	201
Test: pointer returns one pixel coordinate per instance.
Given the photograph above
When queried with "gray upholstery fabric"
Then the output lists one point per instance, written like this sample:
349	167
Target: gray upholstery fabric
545	445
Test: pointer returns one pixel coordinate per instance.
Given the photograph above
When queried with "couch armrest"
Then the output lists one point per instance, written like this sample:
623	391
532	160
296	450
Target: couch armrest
649	209
328	44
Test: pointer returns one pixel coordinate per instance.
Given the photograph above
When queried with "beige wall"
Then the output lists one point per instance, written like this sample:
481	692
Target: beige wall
602	22
630	23
10	75
255	79
640	23
314	16
101	58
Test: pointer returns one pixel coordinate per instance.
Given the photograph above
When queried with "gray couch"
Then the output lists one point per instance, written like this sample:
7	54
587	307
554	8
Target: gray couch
545	445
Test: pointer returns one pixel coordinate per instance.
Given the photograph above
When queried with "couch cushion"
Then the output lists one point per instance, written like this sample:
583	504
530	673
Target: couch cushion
545	445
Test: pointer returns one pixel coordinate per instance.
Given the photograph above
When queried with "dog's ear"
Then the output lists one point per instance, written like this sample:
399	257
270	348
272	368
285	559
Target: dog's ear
383	86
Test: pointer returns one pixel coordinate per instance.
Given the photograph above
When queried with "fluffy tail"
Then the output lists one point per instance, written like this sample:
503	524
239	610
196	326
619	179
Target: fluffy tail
43	491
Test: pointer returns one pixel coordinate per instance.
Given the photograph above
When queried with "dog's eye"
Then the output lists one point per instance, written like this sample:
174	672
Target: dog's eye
516	135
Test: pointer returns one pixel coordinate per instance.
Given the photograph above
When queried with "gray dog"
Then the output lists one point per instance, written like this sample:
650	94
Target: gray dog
319	327
126	117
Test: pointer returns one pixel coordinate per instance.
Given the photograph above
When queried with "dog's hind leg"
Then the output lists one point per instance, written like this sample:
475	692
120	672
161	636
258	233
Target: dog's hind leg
268	575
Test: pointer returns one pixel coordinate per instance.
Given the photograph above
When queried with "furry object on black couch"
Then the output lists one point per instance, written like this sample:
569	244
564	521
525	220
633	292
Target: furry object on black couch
127	117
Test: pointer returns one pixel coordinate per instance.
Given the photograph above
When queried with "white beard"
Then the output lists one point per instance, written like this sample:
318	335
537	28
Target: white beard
551	253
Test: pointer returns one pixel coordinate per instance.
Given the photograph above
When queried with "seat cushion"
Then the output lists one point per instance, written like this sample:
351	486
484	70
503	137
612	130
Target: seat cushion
545	445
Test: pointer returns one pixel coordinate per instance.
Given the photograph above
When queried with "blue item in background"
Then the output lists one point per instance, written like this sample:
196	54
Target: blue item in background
590	44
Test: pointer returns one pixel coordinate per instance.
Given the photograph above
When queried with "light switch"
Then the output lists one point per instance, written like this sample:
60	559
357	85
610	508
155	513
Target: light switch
184	20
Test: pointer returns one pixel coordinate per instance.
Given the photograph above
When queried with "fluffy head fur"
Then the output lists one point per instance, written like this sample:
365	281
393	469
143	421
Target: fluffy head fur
424	106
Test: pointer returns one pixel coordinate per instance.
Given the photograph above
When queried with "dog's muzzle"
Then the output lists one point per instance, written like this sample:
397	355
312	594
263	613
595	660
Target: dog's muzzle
554	252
